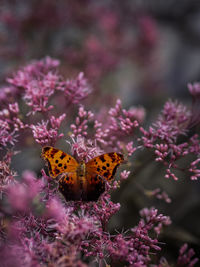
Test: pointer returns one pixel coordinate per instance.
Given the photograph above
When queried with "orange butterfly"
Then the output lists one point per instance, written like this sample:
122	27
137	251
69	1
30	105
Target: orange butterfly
81	181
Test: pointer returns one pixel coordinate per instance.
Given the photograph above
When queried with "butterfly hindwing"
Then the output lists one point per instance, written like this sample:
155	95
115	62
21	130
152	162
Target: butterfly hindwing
69	186
105	165
58	161
95	187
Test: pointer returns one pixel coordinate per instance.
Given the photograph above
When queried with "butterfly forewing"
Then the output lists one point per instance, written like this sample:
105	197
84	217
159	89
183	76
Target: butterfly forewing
58	161
104	165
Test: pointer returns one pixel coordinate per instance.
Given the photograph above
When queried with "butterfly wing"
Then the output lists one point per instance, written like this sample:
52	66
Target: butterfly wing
58	161
69	186
104	165
95	187
98	170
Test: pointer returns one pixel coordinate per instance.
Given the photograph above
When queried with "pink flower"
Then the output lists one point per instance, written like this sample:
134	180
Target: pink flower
10	124
85	149
119	125
124	174
194	89
160	195
6	175
185	257
81	123
33	71
45	136
195	169
21	195
38	81
162	137
77	89
37	92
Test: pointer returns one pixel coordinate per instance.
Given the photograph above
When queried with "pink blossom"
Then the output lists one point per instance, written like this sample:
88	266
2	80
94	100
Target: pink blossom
7	93
85	149
38	92
120	124
38	80
10	125
194	89
77	89
162	136
20	195
45	136
124	174
6	175
195	169
160	195
81	123
135	247
173	122
32	71
186	257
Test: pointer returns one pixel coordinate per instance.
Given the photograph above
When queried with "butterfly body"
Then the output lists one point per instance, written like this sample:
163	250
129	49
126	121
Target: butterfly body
81	169
81	181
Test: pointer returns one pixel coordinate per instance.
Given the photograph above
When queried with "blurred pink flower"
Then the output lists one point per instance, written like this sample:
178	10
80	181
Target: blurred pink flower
186	257
194	89
76	89
21	195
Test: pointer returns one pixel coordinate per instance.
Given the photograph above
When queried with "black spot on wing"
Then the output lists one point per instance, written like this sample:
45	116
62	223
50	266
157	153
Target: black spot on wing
112	156
102	158
106	174
45	149
53	152
63	155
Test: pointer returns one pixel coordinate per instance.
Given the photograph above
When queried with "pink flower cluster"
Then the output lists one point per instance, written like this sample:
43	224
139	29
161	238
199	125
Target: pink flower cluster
39	80
120	125
168	138
186	257
45	136
77	89
10	125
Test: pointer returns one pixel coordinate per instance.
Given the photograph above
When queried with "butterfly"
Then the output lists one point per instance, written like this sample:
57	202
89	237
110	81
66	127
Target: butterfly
81	181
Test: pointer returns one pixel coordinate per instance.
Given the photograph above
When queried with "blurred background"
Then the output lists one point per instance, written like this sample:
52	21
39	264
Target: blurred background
143	52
